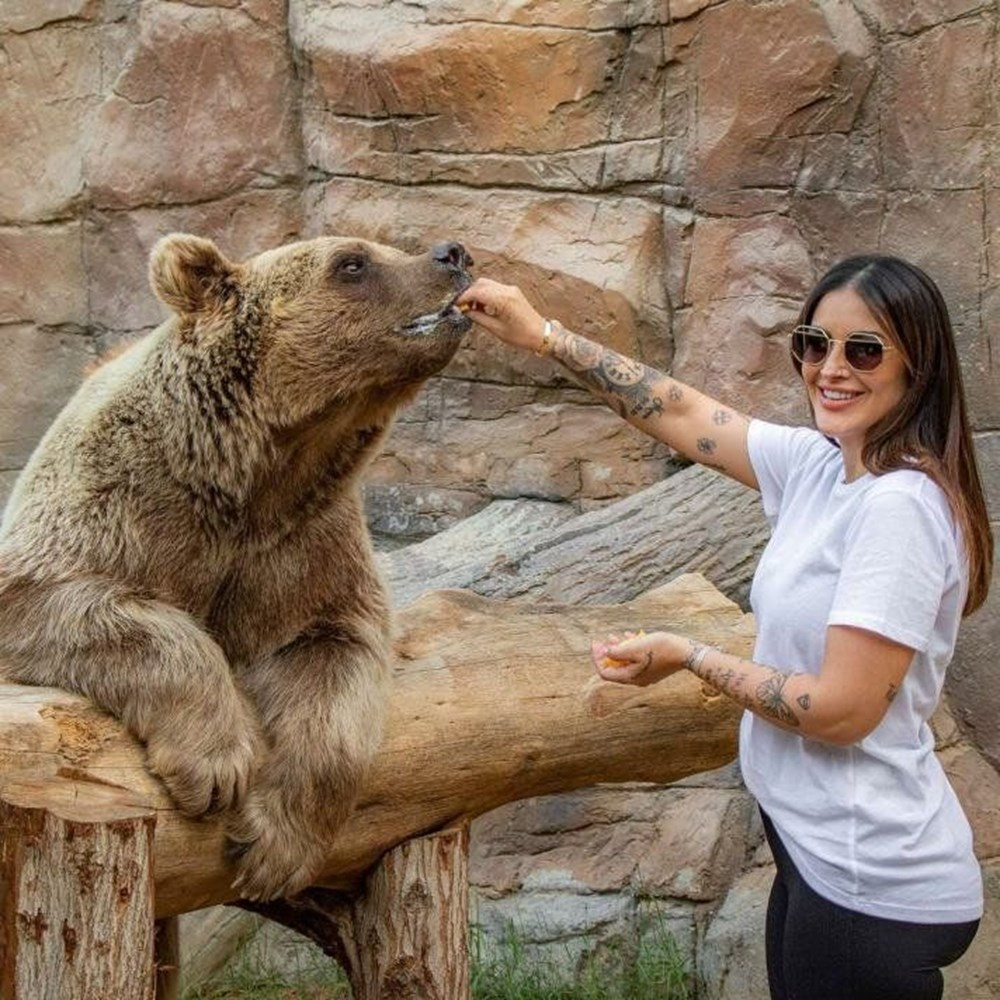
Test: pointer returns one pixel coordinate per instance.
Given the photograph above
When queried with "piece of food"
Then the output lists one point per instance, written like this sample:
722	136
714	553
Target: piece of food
613	661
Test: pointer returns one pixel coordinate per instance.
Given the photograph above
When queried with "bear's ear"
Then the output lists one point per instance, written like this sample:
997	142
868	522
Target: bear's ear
189	273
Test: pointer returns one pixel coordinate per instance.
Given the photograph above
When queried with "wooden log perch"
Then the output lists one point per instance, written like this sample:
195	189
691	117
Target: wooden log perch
76	891
491	701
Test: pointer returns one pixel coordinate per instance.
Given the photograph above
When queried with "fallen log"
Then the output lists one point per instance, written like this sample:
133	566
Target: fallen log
695	521
491	701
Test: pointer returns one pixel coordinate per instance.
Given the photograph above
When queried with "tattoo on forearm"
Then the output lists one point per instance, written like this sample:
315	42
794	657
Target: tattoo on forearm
706	446
767	699
631	386
892	692
697	653
721	417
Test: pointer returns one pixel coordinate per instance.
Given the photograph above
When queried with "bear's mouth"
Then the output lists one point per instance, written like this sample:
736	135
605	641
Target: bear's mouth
448	315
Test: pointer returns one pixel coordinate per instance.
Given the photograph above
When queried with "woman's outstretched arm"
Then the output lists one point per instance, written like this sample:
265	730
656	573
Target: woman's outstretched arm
699	427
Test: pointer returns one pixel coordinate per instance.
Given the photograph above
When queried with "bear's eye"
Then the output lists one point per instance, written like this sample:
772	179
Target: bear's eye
351	266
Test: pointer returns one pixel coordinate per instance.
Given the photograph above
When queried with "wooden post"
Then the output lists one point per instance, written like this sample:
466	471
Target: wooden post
405	936
76	892
411	924
167	956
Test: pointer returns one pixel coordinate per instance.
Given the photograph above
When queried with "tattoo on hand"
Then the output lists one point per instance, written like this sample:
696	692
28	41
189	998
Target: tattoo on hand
675	393
770	698
804	702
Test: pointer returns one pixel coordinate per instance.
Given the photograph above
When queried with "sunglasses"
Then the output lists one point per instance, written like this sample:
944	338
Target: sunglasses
863	351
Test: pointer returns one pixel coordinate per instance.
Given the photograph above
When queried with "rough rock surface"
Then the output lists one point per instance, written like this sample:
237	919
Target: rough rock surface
668	176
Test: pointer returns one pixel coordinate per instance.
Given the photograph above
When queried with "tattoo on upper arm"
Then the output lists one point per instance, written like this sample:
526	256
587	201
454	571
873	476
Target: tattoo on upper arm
630	384
892	692
771	699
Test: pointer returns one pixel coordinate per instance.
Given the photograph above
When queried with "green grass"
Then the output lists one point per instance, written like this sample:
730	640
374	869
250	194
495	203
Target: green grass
654	971
248	979
507	971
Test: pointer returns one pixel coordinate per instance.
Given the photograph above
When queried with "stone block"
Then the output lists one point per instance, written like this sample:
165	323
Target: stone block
417	511
988	461
51	82
41	370
842	162
974	674
658	843
938	85
203	106
44	280
745	285
551	452
838	224
117	247
472	87
552	917
977	785
908	17
768	76
29	15
698	847
540	13
731	962
942	232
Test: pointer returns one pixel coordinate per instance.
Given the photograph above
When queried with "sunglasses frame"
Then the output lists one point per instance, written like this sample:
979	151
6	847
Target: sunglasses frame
870	336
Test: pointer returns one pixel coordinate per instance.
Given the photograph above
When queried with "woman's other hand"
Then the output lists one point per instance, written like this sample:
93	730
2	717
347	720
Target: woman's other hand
504	311
641	659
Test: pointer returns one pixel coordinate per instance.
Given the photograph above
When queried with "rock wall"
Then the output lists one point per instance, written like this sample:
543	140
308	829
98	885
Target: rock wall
668	176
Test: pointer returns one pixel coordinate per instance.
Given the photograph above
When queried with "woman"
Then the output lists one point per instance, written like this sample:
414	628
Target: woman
880	544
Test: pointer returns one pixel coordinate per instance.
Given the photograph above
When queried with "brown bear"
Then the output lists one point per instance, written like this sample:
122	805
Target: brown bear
187	548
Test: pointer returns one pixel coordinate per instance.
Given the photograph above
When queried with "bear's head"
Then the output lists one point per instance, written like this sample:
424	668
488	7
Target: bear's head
312	326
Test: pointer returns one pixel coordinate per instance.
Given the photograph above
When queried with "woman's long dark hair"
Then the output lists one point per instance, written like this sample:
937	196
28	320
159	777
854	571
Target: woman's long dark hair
929	429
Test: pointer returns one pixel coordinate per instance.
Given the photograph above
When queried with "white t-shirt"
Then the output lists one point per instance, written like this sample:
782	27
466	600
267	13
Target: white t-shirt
875	826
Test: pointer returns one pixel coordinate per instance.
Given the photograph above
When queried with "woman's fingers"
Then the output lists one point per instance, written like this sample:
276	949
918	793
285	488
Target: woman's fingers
503	311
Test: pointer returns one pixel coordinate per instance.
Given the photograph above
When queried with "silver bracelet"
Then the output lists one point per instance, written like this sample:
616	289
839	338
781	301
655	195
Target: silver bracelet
694	661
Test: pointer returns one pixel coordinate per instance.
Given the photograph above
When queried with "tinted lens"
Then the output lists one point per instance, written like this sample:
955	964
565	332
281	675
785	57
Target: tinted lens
863	352
810	346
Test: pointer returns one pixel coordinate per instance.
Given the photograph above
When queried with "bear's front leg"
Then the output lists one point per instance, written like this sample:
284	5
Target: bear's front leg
148	663
322	703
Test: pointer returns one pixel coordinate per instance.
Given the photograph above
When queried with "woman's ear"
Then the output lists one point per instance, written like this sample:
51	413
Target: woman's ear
189	274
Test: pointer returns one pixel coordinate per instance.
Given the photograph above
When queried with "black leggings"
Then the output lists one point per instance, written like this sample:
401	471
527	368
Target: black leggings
817	950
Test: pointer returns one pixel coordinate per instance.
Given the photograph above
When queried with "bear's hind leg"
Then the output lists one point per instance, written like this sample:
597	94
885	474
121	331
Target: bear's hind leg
322	704
148	663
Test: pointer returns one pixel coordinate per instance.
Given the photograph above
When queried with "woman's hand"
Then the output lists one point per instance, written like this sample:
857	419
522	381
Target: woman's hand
504	311
645	658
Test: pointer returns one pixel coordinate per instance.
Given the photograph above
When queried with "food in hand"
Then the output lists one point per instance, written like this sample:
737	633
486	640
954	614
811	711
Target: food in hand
613	661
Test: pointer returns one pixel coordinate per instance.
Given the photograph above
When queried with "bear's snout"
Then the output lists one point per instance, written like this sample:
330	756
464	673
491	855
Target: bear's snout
453	256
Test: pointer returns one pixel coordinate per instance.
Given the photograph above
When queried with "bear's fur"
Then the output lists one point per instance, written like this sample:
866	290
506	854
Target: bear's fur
186	546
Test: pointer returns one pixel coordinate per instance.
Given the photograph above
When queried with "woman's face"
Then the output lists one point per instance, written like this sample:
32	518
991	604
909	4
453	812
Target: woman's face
846	403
